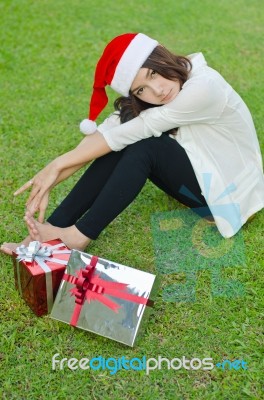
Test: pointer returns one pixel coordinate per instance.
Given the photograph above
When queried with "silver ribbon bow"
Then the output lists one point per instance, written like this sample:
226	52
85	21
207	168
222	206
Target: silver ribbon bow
33	250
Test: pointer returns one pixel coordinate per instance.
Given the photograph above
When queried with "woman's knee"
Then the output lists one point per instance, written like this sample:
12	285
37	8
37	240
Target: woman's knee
144	146
141	144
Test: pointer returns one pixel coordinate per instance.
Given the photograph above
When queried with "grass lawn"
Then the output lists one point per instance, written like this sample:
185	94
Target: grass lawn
47	57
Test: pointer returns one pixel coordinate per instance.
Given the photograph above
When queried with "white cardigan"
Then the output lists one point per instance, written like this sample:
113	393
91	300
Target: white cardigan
218	134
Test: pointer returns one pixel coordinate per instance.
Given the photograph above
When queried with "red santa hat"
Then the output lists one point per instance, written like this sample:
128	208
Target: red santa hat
117	67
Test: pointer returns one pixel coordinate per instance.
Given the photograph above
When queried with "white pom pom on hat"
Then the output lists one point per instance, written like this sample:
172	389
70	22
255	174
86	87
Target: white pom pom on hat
87	126
120	62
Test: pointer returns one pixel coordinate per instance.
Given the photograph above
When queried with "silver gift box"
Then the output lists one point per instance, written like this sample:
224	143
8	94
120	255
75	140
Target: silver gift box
123	326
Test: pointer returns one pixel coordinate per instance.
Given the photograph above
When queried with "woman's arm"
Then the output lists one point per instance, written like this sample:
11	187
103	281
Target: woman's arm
61	168
201	101
90	148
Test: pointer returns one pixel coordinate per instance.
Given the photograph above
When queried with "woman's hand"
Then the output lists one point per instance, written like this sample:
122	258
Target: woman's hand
32	208
39	203
61	168
41	185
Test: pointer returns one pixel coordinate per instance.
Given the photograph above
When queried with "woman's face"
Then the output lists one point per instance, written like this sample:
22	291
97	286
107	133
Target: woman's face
153	88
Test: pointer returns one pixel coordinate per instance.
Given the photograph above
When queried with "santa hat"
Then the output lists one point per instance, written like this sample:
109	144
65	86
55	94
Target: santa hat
117	67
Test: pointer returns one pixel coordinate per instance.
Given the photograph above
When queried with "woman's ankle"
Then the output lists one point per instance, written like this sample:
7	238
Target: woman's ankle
75	238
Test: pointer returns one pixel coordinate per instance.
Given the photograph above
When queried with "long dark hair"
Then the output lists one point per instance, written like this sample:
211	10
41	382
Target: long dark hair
166	64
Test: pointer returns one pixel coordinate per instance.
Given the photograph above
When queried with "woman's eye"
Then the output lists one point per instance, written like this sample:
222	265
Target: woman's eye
140	91
153	73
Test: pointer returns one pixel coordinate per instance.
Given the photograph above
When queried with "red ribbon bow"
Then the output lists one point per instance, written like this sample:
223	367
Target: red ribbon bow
89	286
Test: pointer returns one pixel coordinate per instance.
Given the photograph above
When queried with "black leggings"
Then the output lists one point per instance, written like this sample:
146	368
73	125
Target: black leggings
113	181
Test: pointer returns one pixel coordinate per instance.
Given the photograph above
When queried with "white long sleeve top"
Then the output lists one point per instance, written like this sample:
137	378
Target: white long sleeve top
216	130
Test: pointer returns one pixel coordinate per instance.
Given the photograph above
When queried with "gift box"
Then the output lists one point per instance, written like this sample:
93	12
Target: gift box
38	270
104	297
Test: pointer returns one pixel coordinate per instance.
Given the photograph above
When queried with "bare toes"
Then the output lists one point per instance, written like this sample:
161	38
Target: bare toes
8	248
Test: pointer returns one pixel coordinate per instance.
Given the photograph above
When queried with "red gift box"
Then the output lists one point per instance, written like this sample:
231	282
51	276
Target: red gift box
38	271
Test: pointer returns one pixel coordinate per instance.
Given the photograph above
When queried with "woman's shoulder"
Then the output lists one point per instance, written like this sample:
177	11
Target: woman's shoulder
198	61
202	76
197	58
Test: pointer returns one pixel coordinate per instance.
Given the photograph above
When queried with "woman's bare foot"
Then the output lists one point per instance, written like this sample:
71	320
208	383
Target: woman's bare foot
71	236
9	248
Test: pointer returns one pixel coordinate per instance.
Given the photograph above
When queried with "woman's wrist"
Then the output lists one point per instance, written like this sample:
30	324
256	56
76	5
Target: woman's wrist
59	164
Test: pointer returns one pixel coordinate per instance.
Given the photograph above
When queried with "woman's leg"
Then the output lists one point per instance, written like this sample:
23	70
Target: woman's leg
162	160
86	190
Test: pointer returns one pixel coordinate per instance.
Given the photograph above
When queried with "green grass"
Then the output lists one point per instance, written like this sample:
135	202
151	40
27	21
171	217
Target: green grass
48	52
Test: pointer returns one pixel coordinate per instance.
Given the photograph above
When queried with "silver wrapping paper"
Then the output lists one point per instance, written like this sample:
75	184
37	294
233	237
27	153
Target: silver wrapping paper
123	326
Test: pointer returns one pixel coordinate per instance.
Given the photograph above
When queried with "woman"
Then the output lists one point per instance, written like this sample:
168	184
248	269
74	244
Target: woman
179	124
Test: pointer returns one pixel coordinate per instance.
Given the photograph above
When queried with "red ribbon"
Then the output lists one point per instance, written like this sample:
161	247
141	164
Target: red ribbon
89	286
